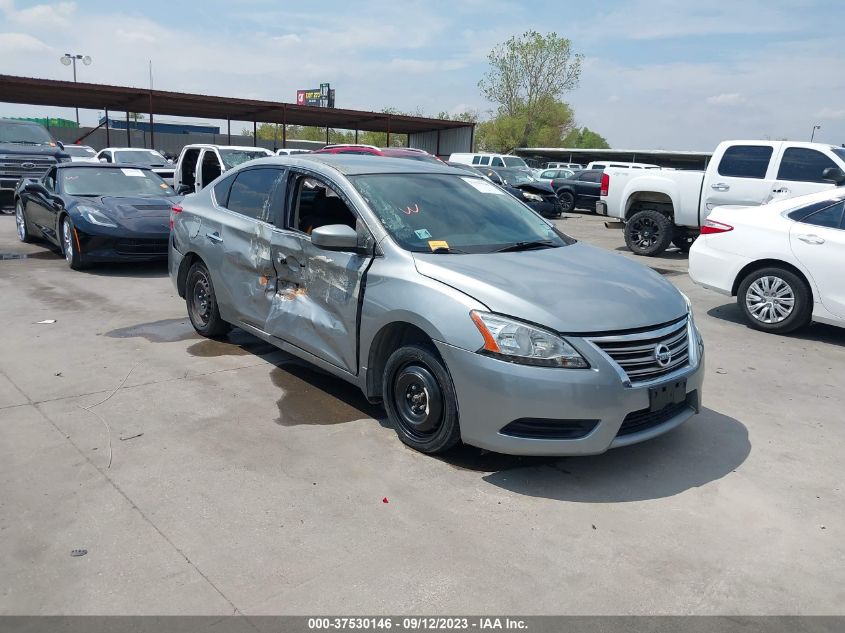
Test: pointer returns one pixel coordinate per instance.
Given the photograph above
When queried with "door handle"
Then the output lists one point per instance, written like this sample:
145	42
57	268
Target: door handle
720	186
214	237
781	190
811	239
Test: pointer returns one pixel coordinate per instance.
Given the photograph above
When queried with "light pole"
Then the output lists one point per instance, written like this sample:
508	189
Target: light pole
813	133
67	59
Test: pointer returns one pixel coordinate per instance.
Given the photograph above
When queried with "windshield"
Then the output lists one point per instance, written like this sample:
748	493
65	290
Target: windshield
81	152
24	133
108	181
234	157
427	212
140	157
513	161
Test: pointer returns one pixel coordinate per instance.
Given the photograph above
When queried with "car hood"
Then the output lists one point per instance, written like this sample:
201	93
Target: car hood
572	289
145	215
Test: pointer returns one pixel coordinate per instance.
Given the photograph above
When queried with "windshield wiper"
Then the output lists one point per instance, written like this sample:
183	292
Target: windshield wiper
444	249
526	246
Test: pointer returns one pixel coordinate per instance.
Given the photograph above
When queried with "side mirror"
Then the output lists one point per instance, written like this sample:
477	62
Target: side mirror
103	160
33	186
60	145
835	175
335	237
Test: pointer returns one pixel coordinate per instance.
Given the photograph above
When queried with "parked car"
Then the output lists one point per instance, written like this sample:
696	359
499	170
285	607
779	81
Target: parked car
572	166
139	156
291	152
443	297
489	160
548	175
666	207
394	152
81	153
199	163
27	150
97	212
782	261
538	195
578	191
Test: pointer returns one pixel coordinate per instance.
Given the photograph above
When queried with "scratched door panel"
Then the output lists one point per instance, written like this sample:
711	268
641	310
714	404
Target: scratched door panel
248	268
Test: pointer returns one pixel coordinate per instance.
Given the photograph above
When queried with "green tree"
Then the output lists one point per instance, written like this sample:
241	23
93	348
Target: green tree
528	76
585	138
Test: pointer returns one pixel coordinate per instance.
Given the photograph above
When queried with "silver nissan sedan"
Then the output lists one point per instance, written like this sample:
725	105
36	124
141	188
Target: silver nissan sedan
468	315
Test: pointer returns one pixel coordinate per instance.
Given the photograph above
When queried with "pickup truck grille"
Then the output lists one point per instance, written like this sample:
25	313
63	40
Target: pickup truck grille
648	355
25	166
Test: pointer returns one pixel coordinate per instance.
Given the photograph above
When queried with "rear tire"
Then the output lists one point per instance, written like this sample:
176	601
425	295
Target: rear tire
775	300
20	220
202	303
649	233
420	400
567	201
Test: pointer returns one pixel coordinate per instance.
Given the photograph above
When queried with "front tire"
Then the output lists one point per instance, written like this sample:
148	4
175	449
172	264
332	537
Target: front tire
567	201
420	400
649	233
775	300
70	246
20	220
202	303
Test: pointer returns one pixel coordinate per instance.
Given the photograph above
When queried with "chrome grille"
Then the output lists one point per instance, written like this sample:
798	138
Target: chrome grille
27	166
637	354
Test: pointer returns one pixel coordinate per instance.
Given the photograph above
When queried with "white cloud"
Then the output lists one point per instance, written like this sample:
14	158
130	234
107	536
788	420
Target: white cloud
16	43
135	36
831	113
727	99
41	15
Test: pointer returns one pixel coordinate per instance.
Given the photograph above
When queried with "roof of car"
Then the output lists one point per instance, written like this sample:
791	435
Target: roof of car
356	164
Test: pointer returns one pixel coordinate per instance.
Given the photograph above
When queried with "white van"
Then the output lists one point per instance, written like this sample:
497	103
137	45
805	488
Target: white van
604	164
199	164
489	160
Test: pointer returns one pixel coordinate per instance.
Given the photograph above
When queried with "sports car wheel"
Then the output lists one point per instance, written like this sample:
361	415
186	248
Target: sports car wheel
70	245
20	221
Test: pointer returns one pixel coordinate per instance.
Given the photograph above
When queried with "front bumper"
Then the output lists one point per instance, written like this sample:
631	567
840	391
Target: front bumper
493	393
111	248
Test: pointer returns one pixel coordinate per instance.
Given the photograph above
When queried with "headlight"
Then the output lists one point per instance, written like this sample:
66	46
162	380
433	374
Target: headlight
532	196
94	216
518	342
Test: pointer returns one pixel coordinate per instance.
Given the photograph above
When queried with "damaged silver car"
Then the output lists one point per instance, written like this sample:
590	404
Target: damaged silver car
468	315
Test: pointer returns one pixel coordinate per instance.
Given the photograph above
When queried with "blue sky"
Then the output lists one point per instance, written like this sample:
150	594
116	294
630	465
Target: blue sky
657	73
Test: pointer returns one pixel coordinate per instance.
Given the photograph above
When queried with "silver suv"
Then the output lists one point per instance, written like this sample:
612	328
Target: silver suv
467	314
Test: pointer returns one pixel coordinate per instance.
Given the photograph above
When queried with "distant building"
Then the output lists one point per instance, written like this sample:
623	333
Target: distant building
167	128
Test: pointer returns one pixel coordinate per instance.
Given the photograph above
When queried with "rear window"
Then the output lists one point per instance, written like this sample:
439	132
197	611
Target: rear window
745	161
803	164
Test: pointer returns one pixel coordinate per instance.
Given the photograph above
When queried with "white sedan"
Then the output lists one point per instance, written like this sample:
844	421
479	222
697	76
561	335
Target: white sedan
783	261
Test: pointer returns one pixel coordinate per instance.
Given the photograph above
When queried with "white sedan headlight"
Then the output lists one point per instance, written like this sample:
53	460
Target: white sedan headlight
518	342
95	216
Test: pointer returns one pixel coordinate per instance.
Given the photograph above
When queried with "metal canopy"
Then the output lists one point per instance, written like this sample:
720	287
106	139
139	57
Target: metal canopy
49	92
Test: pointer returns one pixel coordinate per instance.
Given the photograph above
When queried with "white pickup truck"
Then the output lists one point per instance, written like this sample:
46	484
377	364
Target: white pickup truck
663	207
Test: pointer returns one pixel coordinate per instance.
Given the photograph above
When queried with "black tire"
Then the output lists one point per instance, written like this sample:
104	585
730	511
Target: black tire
782	285
70	245
683	242
21	224
420	400
567	201
201	302
649	233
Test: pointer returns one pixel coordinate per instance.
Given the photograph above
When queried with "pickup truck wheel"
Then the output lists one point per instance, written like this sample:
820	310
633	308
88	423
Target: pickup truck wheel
649	233
775	300
420	400
567	201
202	303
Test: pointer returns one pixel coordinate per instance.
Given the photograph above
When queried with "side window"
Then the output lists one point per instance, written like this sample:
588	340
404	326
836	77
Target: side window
803	164
549	174
745	161
497	162
315	203
830	217
221	190
50	180
252	192
484	160
476	160
590	176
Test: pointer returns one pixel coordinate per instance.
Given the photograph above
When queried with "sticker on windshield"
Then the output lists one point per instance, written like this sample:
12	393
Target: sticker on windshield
483	186
435	244
132	172
423	234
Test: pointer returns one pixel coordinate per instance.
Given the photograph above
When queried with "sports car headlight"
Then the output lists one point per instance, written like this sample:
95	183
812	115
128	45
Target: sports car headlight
95	216
518	342
532	196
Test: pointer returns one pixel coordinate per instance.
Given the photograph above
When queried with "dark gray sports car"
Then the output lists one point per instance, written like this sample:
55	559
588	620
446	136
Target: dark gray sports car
97	212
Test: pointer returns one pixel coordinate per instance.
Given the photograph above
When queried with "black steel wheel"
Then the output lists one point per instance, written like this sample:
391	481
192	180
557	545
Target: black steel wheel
202	303
420	400
649	232
567	201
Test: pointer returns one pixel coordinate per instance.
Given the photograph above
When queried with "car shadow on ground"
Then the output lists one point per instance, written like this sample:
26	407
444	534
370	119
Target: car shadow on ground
670	253
819	332
704	449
